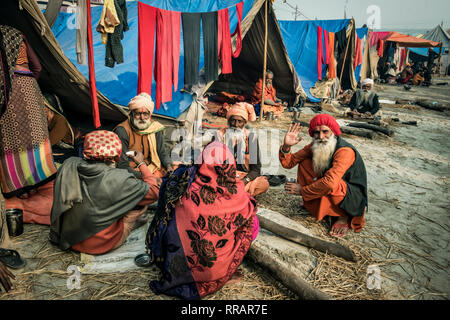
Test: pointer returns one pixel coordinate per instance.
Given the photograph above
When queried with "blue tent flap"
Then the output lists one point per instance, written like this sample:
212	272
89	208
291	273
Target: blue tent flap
300	38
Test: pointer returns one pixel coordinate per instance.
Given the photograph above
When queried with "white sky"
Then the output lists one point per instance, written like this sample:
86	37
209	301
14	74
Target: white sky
394	14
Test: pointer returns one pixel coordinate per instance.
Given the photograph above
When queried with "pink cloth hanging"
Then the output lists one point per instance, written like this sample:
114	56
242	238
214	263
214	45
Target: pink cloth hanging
92	85
146	40
402	58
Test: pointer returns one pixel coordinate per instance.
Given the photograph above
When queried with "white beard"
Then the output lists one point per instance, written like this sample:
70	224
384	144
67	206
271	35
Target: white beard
141	124
322	152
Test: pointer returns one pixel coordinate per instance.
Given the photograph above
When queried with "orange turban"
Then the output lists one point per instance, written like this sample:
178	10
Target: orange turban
242	109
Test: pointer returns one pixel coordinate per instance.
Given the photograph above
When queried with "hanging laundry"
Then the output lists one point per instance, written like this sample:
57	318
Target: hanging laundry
380	48
224	41
114	49
341	41
358	54
146	42
327	48
191	42
209	27
81	35
402	58
319	52
237	31
167	54
224	38
108	20
331	61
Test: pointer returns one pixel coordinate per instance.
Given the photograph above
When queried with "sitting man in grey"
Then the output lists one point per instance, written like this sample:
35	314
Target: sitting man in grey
364	103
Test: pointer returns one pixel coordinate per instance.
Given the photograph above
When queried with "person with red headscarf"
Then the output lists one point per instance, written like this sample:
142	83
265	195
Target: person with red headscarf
203	227
95	204
245	147
331	176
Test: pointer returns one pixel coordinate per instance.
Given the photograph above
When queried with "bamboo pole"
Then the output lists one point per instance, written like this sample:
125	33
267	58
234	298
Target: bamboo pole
265	63
345	58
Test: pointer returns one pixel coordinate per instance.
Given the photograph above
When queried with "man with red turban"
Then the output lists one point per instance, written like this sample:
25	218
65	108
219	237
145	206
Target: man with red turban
245	147
331	176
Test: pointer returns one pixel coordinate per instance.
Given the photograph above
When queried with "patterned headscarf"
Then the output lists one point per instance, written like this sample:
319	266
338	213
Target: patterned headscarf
102	145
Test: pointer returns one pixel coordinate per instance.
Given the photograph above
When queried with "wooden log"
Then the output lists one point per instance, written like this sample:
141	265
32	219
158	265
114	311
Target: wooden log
373	127
307	240
359	132
289	278
432	105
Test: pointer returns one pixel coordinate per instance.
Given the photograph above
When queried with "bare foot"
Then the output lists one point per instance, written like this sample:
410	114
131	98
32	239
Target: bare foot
339	228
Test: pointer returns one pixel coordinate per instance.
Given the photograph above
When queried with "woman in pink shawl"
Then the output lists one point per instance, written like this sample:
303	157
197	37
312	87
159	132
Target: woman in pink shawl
204	225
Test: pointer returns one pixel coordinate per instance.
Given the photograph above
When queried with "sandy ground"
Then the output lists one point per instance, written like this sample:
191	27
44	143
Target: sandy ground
406	233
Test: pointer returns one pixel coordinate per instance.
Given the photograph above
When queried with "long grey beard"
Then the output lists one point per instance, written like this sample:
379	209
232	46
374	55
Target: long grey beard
322	153
235	137
141	124
365	96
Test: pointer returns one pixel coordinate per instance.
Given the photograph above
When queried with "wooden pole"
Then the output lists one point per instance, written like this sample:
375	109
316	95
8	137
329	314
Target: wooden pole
265	63
440	55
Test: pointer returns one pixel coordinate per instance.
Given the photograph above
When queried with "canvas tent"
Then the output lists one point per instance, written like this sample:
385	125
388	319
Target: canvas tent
248	67
301	41
58	74
438	34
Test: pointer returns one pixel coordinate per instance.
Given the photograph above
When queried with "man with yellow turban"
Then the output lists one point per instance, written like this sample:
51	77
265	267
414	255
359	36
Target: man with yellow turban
140	133
245	147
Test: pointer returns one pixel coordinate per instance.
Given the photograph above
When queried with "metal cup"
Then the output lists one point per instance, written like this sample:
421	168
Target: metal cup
14	220
270	116
291	180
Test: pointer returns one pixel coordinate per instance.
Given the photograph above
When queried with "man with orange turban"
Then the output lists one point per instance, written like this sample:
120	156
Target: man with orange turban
331	176
245	147
140	133
271	102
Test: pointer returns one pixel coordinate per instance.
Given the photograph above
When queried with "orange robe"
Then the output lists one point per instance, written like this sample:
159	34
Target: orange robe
270	93
109	238
322	195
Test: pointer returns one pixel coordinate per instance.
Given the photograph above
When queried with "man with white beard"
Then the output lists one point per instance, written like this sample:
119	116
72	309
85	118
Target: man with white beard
140	133
331	176
245	147
365	102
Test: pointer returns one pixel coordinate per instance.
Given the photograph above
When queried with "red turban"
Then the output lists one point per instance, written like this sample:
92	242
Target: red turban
324	120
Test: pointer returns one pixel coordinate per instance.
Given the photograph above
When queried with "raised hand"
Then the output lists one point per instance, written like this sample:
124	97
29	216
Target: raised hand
292	136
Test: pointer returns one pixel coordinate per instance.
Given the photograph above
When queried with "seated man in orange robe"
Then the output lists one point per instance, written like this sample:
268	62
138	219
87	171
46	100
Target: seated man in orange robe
271	102
245	147
331	176
95	204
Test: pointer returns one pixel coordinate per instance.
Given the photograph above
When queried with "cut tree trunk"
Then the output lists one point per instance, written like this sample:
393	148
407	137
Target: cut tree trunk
373	127
307	240
359	132
289	278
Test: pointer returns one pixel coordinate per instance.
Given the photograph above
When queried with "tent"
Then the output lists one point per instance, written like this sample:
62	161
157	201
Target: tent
58	74
248	67
438	34
301	42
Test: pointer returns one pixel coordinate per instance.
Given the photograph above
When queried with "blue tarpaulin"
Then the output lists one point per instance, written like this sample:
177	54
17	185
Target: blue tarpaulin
300	39
191	5
119	84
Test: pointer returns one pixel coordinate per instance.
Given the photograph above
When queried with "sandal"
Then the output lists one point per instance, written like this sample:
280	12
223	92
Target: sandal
11	258
143	260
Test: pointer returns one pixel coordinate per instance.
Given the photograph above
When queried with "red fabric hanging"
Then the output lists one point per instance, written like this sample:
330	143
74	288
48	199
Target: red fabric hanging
358	54
380	48
402	58
319	52
224	40
327	47
176	30
146	41
239	10
92	85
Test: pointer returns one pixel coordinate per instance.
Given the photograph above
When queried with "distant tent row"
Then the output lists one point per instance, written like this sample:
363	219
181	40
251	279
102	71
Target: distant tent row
438	34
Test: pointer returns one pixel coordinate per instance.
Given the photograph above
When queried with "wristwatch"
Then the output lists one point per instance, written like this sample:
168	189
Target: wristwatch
247	179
